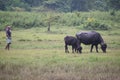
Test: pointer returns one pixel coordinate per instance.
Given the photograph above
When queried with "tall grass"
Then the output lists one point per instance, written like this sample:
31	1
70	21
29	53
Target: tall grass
55	64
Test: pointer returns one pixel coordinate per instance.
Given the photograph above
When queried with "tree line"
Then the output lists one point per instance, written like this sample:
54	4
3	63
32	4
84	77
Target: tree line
60	5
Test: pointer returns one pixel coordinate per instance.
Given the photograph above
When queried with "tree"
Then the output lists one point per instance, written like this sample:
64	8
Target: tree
100	5
79	5
61	5
114	4
50	18
4	4
33	3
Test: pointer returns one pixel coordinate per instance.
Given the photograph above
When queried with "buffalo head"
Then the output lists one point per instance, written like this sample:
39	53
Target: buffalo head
103	47
79	49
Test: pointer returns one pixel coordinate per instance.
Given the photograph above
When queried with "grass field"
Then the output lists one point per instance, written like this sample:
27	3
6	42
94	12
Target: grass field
39	55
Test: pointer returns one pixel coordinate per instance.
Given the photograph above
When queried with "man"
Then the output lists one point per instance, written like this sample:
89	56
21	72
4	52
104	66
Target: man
8	35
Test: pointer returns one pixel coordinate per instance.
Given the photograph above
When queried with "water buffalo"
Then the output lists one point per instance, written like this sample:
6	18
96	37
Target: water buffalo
72	41
93	38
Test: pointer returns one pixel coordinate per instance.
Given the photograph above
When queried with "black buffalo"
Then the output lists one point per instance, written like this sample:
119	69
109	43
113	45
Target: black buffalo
93	38
72	41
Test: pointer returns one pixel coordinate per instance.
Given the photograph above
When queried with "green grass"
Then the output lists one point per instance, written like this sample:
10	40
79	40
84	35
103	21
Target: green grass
39	55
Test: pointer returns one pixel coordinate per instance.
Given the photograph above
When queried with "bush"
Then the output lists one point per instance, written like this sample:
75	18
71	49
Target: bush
88	20
96	26
112	13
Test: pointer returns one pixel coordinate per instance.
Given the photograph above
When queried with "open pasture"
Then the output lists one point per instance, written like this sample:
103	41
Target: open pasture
39	55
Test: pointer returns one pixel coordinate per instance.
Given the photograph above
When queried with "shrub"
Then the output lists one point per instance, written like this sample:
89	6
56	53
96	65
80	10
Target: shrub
93	24
112	13
96	26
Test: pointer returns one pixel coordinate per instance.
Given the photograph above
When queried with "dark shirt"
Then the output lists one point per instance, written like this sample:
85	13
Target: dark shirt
8	33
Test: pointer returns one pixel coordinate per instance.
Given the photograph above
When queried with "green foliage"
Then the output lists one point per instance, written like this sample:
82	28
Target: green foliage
112	13
61	5
114	4
96	26
10	4
21	20
88	20
100	5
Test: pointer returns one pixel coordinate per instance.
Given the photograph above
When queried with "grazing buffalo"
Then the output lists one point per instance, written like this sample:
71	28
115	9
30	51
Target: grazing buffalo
93	38
72	41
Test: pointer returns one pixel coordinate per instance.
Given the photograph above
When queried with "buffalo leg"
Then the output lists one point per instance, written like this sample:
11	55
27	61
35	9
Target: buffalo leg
91	48
79	50
96	48
72	49
66	49
75	49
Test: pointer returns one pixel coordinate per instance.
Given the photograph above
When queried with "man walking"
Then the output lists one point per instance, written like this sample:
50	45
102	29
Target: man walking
8	37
